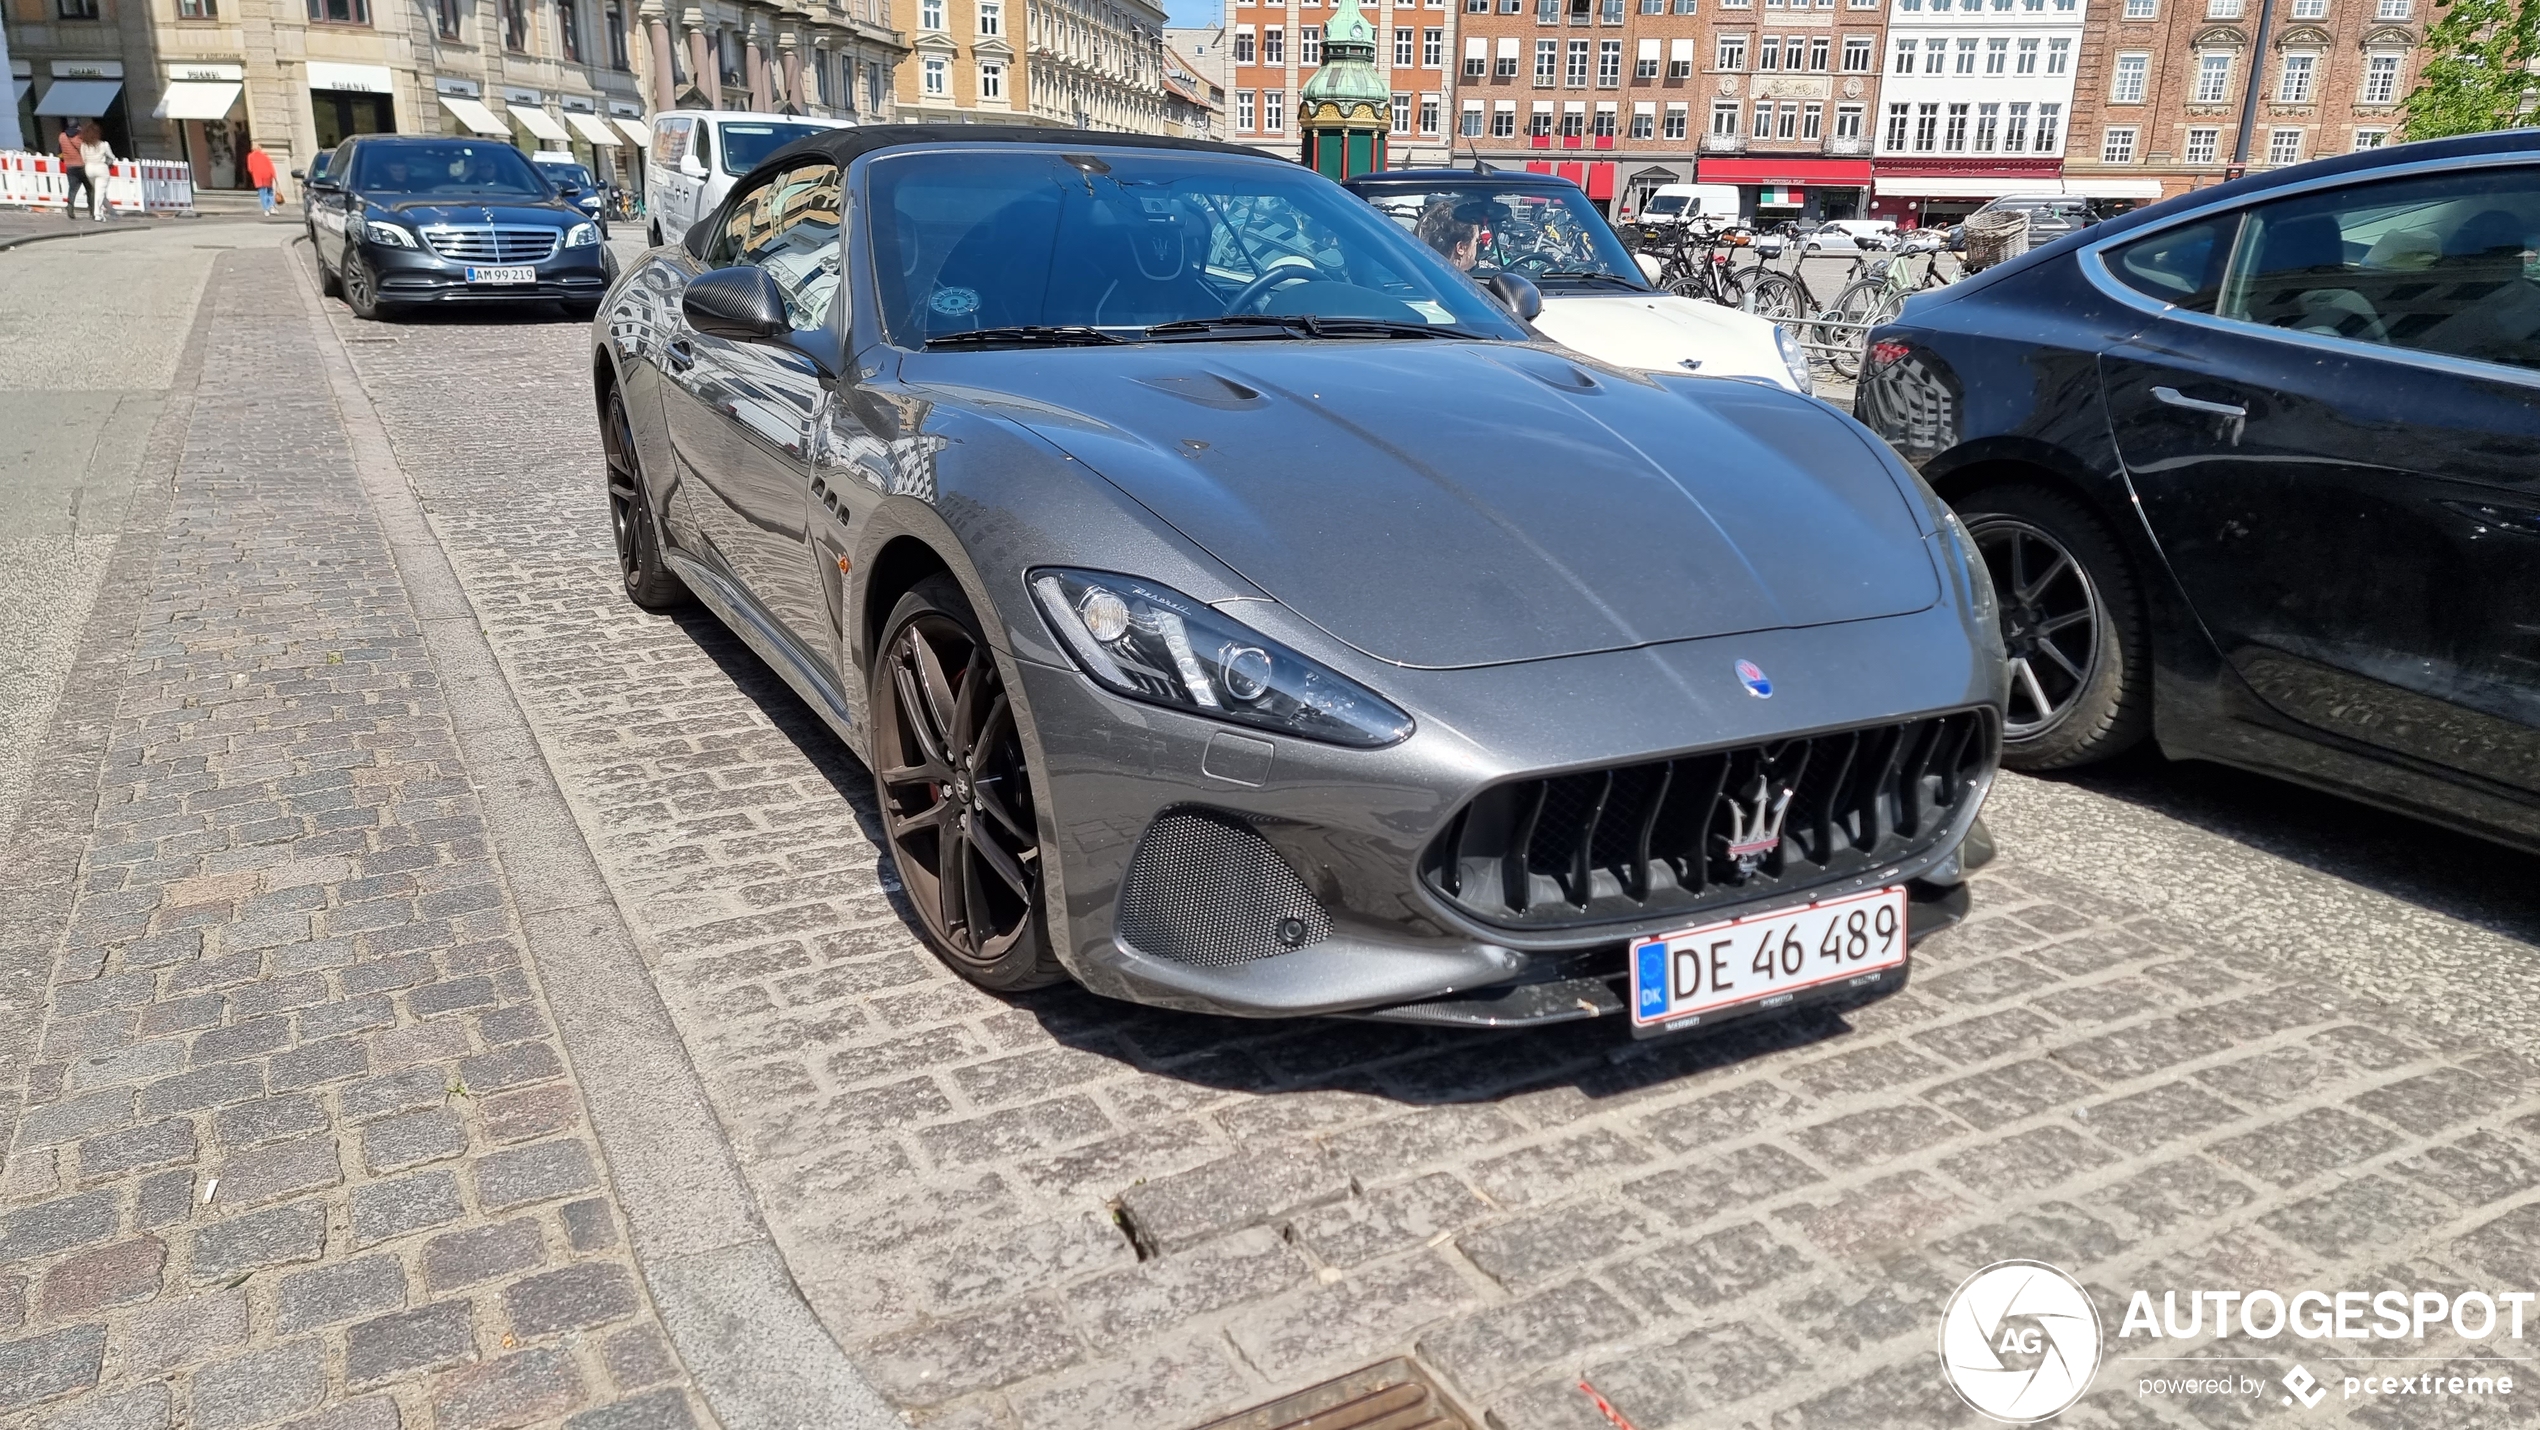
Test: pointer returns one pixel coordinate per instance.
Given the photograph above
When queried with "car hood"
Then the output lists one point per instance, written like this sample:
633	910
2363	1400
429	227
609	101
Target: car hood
423	211
1442	504
1664	332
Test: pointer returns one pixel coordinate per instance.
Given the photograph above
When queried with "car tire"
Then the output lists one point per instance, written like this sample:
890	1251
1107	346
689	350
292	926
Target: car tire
943	734
2073	628
650	583
361	288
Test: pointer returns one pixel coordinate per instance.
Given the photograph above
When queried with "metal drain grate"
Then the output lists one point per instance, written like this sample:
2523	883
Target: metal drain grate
1389	1395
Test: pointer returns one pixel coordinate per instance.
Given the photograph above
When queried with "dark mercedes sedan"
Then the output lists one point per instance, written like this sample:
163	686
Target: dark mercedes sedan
1241	610
400	221
2257	473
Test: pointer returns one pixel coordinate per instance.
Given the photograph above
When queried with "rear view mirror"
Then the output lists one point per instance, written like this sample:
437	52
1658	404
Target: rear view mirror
741	303
299	173
689	166
1517	293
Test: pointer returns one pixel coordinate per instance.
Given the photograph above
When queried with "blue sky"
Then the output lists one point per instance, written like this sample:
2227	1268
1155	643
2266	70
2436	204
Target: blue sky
1195	12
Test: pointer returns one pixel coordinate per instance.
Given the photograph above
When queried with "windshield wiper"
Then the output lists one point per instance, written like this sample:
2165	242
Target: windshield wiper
1591	275
1311	325
1028	335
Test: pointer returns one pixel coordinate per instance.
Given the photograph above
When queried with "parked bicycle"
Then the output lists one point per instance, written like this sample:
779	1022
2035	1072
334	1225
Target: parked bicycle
1876	297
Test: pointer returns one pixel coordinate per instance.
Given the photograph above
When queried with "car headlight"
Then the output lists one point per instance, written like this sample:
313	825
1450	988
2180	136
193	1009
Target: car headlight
380	231
582	235
1147	642
1795	358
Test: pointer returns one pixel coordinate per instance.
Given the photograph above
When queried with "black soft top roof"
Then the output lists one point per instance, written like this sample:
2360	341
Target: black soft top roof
848	145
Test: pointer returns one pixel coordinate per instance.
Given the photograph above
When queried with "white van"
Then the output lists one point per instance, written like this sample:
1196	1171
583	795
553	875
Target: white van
697	153
1709	205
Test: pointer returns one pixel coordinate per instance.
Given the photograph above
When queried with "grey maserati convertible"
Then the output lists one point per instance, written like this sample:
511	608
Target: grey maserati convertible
1242	610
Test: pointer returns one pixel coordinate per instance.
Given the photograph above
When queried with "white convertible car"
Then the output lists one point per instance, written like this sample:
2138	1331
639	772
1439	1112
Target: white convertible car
1596	299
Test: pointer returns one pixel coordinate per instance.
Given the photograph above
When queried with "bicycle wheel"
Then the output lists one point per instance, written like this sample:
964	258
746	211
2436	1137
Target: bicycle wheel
1866	301
1774	295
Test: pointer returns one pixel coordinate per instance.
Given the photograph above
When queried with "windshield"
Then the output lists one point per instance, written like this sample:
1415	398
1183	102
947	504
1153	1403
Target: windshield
1551	235
967	240
745	144
1666	204
566	174
446	166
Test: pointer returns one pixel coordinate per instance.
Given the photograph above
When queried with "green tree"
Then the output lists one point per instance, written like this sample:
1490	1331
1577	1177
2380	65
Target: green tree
2477	69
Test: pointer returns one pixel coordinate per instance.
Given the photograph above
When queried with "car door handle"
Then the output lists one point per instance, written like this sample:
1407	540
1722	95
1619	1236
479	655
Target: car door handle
2176	398
681	356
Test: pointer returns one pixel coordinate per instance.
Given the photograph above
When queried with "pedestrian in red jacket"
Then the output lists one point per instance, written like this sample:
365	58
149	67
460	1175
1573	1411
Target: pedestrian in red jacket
260	174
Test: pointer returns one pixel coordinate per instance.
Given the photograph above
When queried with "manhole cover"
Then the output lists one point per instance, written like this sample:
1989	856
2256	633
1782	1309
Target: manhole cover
1389	1395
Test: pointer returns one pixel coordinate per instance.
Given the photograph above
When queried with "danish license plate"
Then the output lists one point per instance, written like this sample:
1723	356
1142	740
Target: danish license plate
1767	958
502	275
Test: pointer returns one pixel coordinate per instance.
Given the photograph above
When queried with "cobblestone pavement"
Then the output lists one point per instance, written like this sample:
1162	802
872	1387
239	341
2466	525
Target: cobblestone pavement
1053	1211
299	1140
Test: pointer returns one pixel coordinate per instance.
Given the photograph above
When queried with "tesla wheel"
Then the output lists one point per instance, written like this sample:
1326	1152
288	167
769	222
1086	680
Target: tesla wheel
2072	628
650	583
956	794
361	288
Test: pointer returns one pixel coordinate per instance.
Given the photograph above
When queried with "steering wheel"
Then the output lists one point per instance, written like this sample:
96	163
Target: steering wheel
1262	287
1532	263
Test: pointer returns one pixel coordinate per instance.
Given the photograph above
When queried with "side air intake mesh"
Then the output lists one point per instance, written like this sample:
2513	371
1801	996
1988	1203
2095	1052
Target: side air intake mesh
1205	889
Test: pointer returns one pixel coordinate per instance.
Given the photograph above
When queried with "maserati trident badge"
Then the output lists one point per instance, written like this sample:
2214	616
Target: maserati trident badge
1752	676
1755	824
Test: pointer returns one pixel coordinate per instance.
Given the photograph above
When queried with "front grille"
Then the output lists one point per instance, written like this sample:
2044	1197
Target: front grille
1205	889
1693	833
491	243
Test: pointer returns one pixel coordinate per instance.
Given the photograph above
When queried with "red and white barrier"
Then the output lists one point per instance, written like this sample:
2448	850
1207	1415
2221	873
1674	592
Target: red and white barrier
132	185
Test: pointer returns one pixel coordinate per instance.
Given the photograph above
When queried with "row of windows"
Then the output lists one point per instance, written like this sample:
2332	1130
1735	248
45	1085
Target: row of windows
1424	47
2297	80
930	16
2001	54
1574	122
513	17
1972	128
2234	9
2119	144
2000	7
934	79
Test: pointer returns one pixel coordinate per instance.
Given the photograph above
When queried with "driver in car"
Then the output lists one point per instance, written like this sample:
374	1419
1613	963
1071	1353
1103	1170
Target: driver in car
1454	229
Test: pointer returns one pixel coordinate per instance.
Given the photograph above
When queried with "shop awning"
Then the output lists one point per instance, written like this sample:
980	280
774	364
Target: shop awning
351	79
191	99
1805	173
1994	186
636	131
79	98
2114	188
593	128
475	116
539	122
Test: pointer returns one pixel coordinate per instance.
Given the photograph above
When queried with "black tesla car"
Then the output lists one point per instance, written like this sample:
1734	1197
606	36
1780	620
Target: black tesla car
401	220
2257	472
1241	610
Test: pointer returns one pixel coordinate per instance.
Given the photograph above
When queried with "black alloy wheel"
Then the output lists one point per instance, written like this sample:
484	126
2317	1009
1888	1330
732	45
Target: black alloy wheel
2072	630
361	287
650	583
956	793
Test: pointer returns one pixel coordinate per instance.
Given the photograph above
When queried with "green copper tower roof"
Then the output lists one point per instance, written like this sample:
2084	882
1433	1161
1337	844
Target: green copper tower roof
1348	75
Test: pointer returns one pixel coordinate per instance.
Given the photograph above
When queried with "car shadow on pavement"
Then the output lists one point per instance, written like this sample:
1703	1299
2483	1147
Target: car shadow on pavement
1398	1062
2440	870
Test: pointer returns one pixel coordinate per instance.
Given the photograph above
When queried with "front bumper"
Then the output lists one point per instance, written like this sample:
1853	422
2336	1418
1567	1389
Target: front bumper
411	275
1351	826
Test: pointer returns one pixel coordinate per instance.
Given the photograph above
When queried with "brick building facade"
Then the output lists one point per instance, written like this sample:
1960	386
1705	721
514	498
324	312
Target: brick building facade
2163	87
1274	47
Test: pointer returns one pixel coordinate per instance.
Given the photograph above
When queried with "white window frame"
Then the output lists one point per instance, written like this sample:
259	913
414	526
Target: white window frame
935	77
2116	144
2383	67
2205	136
2214	66
2370	139
991	82
2284	146
2297	77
